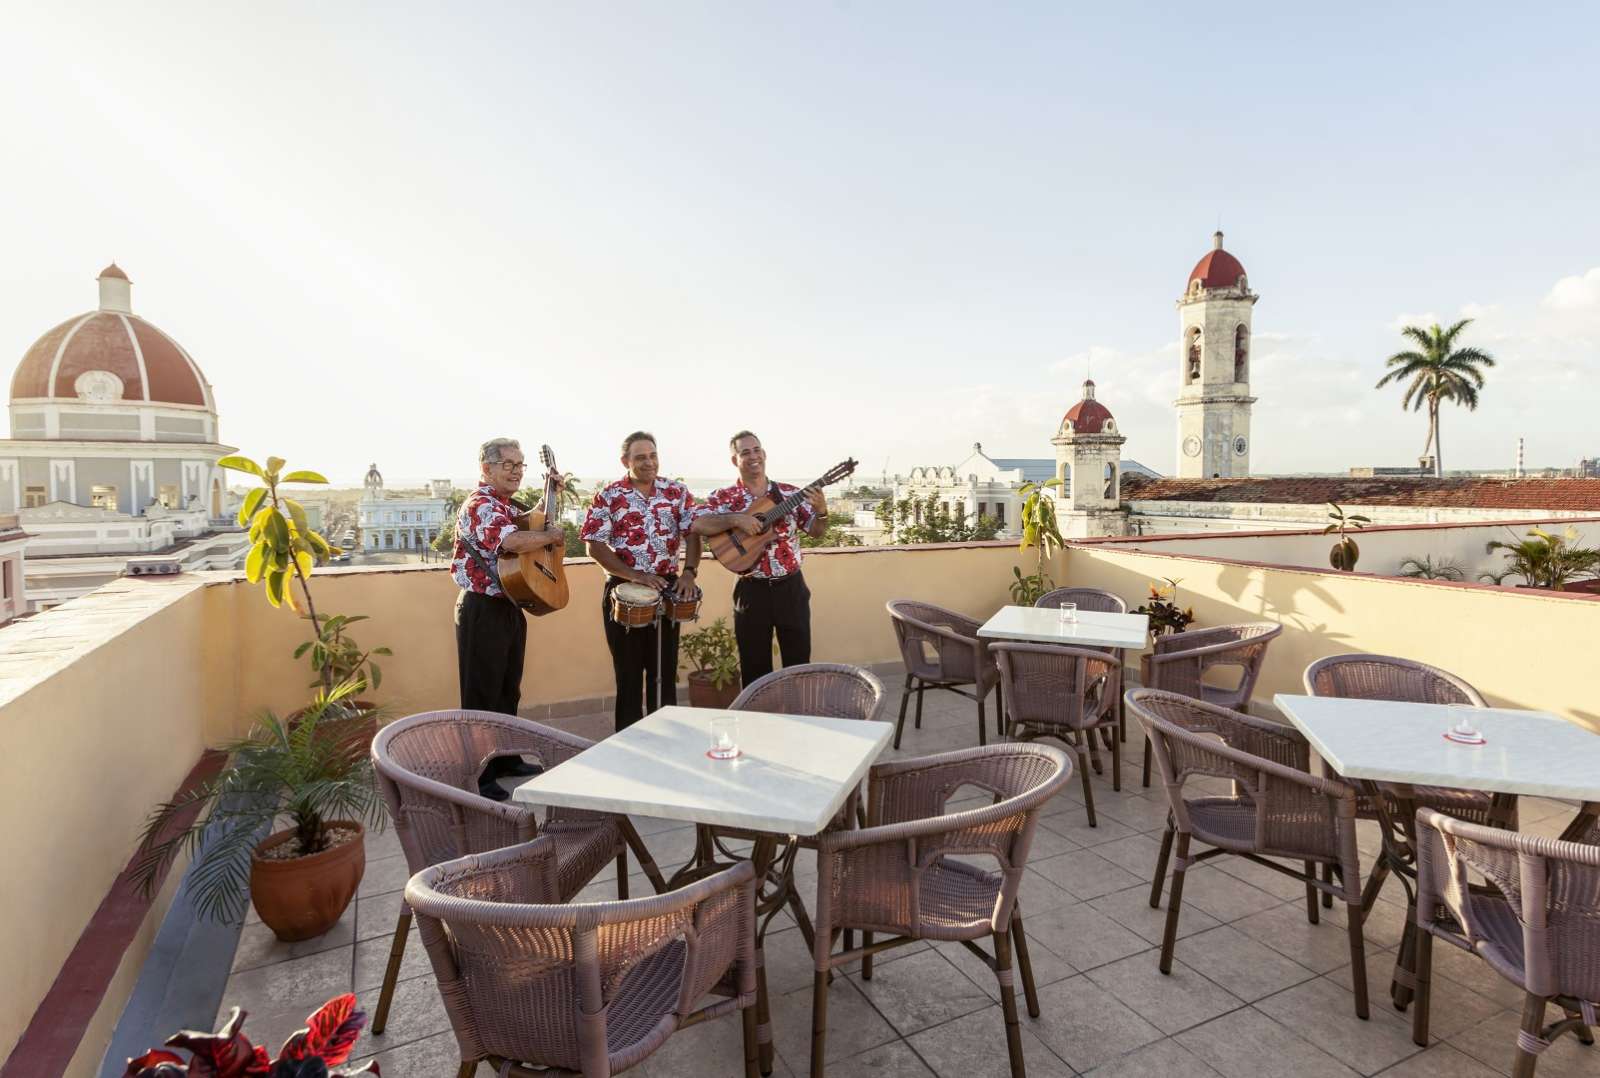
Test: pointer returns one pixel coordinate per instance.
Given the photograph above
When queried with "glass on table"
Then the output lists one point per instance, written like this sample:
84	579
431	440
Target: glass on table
1463	730
724	738
1068	613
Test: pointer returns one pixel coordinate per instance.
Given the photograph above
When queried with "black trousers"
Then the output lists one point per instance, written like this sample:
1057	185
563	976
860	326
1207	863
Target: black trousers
491	640
761	607
633	662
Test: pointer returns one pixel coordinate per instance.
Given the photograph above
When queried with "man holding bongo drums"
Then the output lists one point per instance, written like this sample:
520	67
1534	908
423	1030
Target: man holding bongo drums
635	529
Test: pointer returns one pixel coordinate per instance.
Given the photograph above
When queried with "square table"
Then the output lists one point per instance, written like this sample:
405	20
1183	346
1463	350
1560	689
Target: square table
1042	625
792	776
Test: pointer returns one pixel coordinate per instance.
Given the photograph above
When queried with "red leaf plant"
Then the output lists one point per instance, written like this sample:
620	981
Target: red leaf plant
326	1042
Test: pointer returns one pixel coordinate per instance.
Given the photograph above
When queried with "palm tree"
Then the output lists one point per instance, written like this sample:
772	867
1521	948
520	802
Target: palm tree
1439	372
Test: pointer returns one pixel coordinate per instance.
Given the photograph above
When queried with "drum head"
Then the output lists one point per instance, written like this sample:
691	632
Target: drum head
638	594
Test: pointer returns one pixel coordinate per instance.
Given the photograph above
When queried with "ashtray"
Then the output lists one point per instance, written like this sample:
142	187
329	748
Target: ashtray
717	754
1473	738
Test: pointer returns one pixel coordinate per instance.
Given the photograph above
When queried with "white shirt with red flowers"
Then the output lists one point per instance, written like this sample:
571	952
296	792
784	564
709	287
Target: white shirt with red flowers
782	556
646	532
488	518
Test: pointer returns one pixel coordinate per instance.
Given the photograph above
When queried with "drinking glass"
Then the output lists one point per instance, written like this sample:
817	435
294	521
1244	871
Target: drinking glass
724	738
1068	612
1462	727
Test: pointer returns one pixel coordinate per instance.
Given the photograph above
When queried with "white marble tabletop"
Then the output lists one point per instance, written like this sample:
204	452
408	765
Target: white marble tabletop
792	776
1043	625
1526	752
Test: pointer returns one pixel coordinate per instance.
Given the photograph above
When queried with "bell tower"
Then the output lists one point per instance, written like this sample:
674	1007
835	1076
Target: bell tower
1214	369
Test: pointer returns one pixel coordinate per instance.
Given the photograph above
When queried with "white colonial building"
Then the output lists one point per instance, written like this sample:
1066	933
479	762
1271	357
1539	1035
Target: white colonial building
1214	396
397	523
113	452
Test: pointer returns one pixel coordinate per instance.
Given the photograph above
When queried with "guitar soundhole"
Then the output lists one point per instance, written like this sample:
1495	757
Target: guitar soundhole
545	569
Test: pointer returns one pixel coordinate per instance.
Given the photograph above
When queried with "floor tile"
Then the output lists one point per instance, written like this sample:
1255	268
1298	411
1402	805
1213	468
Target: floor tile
1166	1058
1248	1044
259	947
1086	1026
1246	968
1083	874
1131	909
1170	1002
854	1025
1084	936
1440	1061
1322	947
1226	898
372	958
1324	1013
975	1047
921	990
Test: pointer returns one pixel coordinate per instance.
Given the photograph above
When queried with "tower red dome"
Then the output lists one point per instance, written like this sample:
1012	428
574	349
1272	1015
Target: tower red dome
1088	416
1218	269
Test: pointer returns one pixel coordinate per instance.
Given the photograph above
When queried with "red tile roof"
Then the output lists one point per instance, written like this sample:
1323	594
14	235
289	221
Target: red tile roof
1218	269
1582	495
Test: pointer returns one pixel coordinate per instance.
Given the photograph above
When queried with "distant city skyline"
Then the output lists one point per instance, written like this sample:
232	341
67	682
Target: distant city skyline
885	231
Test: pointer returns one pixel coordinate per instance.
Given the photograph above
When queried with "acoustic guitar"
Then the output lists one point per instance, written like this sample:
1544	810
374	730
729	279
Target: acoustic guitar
536	580
740	551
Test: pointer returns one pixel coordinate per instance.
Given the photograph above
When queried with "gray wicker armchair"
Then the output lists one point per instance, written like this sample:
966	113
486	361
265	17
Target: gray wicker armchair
1537	923
427	767
1095	599
910	873
1065	693
1278	811
942	650
1181	662
540	988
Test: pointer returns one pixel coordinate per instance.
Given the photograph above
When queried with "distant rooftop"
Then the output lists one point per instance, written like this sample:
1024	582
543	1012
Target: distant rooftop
1552	494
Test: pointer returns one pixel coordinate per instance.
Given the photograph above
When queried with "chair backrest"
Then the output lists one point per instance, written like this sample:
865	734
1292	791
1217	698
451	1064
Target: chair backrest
830	690
1553	888
526	978
1050	687
427	768
1180	660
1385	677
1295	813
1095	599
935	644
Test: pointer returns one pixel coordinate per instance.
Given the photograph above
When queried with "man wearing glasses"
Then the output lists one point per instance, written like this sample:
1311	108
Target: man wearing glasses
491	631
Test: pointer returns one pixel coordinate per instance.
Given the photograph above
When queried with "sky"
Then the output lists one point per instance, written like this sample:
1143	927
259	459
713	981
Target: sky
883	230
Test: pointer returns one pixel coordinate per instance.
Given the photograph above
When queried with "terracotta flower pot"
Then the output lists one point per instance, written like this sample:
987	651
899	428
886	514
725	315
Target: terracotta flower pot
303	897
702	693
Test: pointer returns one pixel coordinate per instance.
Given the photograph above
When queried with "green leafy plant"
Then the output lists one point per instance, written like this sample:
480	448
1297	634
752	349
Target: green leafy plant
1345	553
1544	559
279	769
1040	532
1425	568
1162	608
930	520
714	652
335	655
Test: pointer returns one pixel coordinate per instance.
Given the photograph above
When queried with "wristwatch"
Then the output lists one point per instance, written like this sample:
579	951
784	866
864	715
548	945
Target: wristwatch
691	570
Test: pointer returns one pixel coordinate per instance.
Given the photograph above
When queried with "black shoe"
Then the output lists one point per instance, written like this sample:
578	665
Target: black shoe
493	791
516	767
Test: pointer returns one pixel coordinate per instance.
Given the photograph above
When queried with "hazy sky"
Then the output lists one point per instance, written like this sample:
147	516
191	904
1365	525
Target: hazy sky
387	231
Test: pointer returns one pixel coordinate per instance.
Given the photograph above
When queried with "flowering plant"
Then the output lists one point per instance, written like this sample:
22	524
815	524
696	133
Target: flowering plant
326	1042
1162	609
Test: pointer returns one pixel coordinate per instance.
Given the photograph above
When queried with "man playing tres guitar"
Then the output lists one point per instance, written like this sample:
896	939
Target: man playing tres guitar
773	596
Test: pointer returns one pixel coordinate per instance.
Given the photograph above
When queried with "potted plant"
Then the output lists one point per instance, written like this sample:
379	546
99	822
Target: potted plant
1162	609
336	658
300	878
325	1043
1544	559
1039	530
1344	554
714	681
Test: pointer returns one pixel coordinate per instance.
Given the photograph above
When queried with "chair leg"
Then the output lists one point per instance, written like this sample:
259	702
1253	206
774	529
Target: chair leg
983	738
764	1046
1024	964
1116	763
1423	975
1311	892
1358	955
866	960
1147	756
819	1022
469	1067
920	690
1369	894
1327	896
641	854
1169	937
1008	1003
391	974
622	876
1161	868
1533	1026
999	710
1088	788
752	1045
900	723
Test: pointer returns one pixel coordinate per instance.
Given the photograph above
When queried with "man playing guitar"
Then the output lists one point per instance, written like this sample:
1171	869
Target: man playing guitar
773	596
635	529
491	631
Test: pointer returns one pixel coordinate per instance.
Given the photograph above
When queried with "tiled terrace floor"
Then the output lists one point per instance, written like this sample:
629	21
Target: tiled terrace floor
1255	991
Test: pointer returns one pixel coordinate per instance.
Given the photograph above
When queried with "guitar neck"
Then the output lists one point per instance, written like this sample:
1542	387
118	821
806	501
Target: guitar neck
787	506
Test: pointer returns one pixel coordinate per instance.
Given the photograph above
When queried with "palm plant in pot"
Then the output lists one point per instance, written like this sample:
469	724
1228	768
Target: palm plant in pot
714	680
300	878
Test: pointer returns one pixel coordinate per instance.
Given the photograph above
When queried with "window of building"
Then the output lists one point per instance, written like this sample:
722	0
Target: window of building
103	497
1191	370
1241	354
169	495
5	580
34	497
1110	492
1000	513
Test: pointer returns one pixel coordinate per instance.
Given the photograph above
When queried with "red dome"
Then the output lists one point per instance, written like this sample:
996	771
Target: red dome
1088	416
151	366
1218	269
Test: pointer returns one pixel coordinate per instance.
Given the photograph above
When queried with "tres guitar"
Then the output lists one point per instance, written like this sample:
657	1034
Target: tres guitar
536	580
740	551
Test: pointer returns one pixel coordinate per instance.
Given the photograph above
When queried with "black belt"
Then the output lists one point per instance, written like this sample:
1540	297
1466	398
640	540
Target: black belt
771	581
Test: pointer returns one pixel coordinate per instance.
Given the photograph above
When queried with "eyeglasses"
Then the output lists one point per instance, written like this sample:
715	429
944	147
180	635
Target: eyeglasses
512	465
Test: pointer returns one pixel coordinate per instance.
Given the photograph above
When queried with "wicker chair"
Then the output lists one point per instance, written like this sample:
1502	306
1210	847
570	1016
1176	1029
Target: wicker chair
1065	693
901	874
941	650
1094	599
427	767
1538	925
1278	810
1179	662
537	987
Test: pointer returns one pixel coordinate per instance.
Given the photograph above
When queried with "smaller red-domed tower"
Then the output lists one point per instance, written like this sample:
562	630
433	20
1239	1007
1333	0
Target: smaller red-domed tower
1214	377
1089	466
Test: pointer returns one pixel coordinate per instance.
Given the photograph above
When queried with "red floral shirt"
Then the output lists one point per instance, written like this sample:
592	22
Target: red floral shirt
645	532
782	557
488	518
